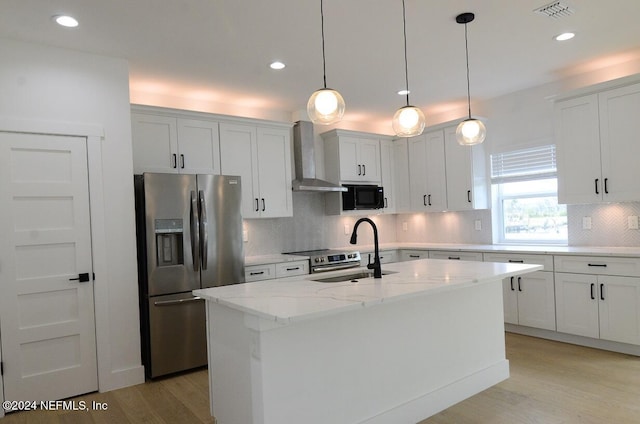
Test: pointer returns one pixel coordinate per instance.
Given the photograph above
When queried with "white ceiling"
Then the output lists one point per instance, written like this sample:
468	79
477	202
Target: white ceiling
219	50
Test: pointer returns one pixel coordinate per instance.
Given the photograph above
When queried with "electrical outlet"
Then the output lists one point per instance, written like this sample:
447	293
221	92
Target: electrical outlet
632	221
347	230
478	225
586	223
404	226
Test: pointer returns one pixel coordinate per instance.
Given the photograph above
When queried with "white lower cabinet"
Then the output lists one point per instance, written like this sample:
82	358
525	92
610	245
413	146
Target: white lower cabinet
529	300
290	269
599	306
259	272
278	270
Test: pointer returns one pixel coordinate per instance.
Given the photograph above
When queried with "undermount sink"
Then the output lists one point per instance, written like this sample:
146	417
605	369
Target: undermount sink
354	277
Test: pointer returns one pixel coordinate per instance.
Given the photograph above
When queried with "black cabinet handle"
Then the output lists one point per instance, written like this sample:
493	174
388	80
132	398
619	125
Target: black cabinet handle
414	256
256	273
455	258
601	291
386	203
257	204
512	289
82	278
429	200
599	265
593	296
181	161
263	205
519	286
359	169
174	161
597	192
516	261
293	269
606	190
424	200
364	170
469	196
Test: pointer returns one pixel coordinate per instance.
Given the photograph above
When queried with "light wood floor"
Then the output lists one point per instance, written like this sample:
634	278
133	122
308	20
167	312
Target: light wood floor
550	383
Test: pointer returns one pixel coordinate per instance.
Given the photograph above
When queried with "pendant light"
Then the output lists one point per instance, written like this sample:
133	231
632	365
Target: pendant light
470	131
408	121
325	106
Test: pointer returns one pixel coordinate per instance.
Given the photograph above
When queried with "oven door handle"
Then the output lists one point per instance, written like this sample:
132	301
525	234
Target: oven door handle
334	267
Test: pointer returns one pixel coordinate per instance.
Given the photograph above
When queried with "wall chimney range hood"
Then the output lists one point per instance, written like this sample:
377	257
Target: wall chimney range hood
305	161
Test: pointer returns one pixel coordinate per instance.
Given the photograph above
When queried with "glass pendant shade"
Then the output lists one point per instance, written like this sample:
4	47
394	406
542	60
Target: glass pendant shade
325	106
408	121
470	132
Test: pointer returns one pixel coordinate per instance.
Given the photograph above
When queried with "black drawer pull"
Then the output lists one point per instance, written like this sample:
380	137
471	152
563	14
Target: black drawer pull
599	265
516	261
293	269
457	258
256	273
414	256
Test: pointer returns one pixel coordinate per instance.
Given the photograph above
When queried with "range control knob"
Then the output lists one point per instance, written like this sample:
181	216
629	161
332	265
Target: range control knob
317	260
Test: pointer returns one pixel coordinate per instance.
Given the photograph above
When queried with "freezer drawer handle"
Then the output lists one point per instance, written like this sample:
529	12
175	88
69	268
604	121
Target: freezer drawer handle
82	278
176	302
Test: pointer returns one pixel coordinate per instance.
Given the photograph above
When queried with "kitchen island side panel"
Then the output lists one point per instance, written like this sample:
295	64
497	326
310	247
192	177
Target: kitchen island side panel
393	363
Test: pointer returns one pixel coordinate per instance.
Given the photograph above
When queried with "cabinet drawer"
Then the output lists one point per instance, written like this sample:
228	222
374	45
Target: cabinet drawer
598	265
455	255
386	257
289	269
412	255
526	258
259	272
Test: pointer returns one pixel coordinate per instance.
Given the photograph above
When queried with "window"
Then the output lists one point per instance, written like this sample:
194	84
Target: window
525	197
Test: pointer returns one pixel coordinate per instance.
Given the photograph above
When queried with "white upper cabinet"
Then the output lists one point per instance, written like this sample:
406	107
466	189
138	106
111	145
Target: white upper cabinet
598	143
388	174
427	170
174	145
466	175
402	186
262	158
351	157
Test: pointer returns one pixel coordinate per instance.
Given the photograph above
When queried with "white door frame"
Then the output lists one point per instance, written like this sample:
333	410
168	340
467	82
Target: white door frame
94	135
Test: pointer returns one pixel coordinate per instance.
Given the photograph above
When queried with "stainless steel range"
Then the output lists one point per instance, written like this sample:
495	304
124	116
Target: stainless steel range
325	260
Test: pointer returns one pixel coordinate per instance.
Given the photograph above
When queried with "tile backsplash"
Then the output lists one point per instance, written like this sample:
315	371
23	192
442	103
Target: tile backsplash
609	225
310	228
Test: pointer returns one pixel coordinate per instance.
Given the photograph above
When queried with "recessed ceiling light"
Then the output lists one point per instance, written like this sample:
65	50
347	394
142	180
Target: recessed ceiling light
564	36
404	92
277	65
66	21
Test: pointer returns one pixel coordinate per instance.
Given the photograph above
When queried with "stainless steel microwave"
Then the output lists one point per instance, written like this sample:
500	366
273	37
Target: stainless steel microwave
362	196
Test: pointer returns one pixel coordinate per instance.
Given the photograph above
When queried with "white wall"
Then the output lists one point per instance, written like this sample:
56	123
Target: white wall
44	85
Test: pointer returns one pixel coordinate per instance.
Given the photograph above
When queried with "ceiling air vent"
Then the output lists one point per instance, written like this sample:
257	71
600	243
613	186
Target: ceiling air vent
555	10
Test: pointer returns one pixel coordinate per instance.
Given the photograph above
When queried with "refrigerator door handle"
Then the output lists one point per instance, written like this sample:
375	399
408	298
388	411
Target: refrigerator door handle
204	238
195	234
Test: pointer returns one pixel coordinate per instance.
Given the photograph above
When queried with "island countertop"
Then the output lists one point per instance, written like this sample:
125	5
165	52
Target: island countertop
298	298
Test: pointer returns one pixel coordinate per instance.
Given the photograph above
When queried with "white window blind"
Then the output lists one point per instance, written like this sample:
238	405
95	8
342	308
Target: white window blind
525	164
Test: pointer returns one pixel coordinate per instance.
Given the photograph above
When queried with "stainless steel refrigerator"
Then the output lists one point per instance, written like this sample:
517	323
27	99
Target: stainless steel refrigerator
189	233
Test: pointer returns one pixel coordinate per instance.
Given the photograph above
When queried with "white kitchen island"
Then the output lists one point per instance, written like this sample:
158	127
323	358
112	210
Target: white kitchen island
394	350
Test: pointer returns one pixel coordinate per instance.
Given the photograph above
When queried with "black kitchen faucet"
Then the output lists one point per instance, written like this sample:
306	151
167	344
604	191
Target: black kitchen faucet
375	266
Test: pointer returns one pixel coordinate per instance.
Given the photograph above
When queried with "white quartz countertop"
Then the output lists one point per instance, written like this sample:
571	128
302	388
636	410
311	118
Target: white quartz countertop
507	248
297	298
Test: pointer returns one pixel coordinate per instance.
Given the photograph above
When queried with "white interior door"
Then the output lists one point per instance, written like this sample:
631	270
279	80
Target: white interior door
47	320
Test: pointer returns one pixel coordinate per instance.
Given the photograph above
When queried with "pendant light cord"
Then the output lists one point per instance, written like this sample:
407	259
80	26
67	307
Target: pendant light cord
466	48
324	64
406	66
